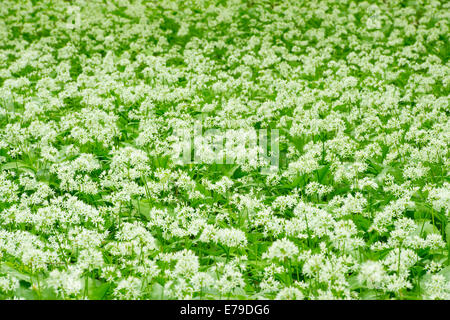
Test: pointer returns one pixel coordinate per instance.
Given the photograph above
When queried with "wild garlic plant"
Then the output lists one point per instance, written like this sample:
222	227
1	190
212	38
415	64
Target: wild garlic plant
353	94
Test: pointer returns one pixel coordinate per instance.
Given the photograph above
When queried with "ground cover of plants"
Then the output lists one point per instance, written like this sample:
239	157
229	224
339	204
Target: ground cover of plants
94	204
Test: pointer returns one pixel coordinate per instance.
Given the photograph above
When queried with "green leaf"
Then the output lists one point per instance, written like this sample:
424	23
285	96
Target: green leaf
447	233
142	207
